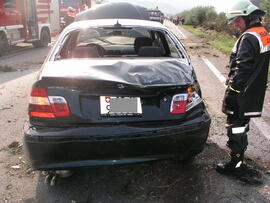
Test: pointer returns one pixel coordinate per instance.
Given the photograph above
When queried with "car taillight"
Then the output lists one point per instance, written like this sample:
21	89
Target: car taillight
182	103
193	99
179	103
44	106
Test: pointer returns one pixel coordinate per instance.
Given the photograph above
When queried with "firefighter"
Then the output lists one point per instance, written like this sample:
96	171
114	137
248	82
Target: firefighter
70	16
246	88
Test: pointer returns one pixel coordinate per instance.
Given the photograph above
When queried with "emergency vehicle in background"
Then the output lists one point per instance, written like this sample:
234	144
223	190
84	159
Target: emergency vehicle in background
156	15
78	5
69	8
33	21
25	21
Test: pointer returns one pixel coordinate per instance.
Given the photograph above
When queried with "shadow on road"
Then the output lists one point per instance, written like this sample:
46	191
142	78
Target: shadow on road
159	181
6	77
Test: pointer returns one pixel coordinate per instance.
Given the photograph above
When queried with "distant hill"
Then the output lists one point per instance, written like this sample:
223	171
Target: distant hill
164	7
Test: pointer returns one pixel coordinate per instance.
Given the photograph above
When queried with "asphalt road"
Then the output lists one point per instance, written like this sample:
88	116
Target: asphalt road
160	181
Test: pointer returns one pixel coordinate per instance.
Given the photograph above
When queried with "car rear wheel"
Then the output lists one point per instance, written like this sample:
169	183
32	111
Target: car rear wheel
3	43
45	39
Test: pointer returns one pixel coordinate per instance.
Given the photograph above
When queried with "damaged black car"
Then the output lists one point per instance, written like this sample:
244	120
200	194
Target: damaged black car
115	92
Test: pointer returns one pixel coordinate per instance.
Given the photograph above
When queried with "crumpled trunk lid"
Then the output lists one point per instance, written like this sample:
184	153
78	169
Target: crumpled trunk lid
85	83
140	72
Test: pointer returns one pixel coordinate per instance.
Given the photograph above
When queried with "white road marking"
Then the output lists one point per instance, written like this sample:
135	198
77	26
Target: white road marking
180	32
221	78
173	27
184	36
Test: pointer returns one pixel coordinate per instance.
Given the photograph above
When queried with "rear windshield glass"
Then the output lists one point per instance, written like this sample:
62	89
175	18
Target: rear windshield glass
111	42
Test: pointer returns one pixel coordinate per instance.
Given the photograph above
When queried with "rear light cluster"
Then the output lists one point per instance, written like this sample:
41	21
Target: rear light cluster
43	106
179	103
182	103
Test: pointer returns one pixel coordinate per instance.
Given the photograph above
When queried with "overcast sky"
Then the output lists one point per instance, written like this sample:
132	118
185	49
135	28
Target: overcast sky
176	6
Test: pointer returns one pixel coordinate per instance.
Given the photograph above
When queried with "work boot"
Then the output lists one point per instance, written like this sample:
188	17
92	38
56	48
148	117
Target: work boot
241	172
231	168
234	167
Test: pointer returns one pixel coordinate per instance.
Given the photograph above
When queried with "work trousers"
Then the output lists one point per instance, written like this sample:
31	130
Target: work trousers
237	129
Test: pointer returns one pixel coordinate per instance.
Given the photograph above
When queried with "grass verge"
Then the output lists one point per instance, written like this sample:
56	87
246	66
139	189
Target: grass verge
195	31
224	43
221	41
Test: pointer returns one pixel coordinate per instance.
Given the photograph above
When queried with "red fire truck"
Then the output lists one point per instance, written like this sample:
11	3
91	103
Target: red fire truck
24	21
33	21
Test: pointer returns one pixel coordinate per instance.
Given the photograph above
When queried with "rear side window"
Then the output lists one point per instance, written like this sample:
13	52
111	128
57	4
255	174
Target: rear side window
174	52
120	42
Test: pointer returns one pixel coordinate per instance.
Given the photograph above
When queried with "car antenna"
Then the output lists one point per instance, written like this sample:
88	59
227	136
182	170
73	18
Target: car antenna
117	24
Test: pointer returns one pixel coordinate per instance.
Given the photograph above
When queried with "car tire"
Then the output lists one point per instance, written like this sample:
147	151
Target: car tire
3	43
45	39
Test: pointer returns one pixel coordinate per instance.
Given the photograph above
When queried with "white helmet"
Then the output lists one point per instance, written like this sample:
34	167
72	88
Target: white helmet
70	9
243	8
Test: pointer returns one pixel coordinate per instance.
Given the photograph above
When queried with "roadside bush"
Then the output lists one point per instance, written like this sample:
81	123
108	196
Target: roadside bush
266	7
223	26
221	23
198	15
209	19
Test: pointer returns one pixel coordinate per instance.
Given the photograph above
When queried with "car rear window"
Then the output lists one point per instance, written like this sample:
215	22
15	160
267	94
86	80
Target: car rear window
118	42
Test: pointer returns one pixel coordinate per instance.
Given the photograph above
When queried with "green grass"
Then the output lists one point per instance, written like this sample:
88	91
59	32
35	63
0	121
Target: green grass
195	31
221	41
224	43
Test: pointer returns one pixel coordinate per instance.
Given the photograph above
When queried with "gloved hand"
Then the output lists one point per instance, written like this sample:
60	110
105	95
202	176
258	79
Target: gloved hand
230	103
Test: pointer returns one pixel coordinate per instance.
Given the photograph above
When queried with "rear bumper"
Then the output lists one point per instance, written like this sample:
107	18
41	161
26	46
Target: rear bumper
58	148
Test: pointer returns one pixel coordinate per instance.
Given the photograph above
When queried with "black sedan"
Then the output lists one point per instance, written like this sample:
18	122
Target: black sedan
115	92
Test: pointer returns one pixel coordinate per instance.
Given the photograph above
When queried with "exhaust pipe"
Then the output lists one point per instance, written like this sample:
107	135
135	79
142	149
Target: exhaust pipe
64	173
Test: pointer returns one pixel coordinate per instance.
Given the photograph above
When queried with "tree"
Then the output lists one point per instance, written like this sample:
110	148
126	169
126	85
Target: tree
266	7
257	2
199	15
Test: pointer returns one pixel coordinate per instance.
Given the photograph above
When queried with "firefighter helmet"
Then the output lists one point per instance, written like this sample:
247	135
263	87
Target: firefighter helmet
70	9
243	8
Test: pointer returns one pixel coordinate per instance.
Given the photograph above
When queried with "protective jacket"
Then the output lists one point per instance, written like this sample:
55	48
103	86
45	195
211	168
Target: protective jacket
69	18
248	74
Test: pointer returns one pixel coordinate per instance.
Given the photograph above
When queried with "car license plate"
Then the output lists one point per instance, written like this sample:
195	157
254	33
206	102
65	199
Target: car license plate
120	106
